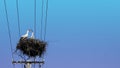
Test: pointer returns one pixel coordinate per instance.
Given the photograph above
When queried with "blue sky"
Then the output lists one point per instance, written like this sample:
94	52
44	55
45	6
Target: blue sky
80	33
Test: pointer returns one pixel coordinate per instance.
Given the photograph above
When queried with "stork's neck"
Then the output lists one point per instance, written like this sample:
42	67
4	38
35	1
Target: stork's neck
32	34
27	32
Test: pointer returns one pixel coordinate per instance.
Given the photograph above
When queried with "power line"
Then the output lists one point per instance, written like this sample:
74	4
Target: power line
42	18
46	20
18	17
18	23
9	32
35	17
8	25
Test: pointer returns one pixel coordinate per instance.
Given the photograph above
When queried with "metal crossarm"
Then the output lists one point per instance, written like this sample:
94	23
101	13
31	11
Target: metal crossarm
31	62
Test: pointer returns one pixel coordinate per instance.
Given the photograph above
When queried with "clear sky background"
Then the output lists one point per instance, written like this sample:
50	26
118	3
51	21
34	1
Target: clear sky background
80	33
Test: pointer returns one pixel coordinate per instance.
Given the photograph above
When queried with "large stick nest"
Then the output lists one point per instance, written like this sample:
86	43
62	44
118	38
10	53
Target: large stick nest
31	47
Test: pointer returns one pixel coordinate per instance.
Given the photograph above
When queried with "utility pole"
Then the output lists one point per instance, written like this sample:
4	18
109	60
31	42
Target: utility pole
27	65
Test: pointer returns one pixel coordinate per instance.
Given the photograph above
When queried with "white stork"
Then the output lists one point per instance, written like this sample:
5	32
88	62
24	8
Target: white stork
32	36
25	35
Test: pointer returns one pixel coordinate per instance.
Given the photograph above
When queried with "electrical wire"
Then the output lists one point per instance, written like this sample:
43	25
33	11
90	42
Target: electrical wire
8	25
18	20
18	17
9	32
42	18
46	20
35	17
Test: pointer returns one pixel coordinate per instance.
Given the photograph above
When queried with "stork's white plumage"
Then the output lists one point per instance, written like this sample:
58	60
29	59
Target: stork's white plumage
26	35
32	36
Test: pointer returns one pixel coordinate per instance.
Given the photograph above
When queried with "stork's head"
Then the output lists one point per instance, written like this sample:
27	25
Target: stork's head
30	30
